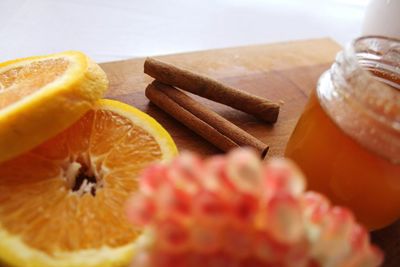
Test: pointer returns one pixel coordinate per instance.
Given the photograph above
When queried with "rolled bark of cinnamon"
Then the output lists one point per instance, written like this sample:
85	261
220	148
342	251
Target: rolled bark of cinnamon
208	124
209	88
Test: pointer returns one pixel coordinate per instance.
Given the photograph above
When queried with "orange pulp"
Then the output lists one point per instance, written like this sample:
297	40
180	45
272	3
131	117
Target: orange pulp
69	193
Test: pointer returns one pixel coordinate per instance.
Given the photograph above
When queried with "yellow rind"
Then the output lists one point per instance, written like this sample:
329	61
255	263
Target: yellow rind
34	119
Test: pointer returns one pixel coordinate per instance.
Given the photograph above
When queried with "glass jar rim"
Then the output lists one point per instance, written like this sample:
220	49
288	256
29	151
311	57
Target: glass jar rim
368	71
358	96
385	49
389	38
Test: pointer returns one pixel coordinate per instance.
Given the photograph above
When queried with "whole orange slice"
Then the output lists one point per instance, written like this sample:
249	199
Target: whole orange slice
62	203
41	96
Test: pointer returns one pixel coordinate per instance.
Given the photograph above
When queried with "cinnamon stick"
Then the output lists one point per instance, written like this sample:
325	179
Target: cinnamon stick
209	88
208	124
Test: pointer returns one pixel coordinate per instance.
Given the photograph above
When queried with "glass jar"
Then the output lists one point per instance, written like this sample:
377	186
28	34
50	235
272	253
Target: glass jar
347	140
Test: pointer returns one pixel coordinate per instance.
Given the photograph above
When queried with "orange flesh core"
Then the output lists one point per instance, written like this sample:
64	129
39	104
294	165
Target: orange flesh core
343	170
19	82
69	193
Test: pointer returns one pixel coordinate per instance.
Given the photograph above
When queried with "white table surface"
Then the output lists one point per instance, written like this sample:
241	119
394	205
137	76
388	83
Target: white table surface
110	30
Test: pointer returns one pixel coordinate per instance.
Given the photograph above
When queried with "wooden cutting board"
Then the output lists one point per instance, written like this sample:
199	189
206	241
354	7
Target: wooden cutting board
282	71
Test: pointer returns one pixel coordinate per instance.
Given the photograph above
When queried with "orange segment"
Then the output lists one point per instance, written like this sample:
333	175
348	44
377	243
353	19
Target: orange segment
68	194
19	82
41	96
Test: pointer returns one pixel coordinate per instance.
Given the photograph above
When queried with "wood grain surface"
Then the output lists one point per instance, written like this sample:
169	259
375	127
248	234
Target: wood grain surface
281	72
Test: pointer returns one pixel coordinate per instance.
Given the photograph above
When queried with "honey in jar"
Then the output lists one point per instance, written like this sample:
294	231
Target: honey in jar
347	140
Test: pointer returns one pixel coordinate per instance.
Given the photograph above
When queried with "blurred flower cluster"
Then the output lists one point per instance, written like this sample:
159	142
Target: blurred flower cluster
237	210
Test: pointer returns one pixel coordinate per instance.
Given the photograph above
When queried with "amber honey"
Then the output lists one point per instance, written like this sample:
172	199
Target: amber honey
345	171
347	139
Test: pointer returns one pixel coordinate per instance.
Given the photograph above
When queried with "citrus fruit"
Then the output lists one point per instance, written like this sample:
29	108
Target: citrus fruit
62	203
41	96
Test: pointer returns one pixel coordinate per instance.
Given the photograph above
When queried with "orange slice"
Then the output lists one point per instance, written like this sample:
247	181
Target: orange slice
41	96
62	203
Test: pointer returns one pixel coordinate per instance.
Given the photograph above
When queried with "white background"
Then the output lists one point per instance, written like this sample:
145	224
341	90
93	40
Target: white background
117	29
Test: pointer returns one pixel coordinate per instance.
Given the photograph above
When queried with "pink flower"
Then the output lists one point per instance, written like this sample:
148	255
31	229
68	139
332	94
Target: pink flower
237	210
